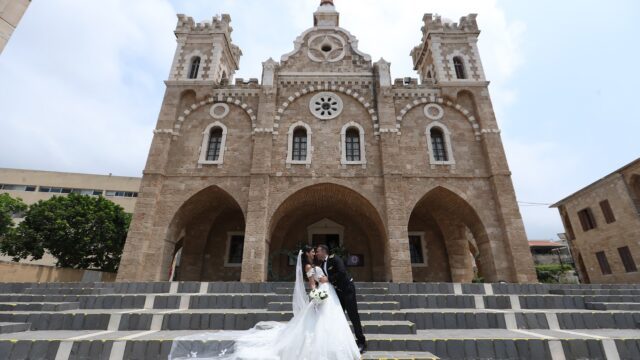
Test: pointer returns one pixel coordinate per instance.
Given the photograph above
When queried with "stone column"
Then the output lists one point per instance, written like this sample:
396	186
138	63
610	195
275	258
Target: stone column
255	257
458	250
397	256
519	262
140	260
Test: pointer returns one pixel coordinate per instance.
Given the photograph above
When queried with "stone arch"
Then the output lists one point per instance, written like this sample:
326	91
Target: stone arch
211	100
432	99
363	228
454	234
327	87
201	224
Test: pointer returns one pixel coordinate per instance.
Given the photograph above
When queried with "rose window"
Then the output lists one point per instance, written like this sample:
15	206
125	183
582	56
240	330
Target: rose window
325	105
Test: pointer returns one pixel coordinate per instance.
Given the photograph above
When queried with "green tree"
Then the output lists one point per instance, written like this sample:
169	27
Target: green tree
82	232
8	208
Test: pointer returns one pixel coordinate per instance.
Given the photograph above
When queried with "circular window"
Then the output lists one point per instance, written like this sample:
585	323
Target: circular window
326	47
218	111
325	105
433	111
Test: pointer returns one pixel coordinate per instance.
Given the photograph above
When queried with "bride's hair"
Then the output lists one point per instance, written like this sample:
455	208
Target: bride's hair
305	251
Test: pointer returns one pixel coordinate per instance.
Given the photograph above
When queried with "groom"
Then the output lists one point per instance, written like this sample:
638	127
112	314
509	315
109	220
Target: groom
334	268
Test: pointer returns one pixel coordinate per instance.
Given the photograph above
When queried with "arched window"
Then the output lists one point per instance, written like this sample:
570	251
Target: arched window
352	144
299	144
439	144
194	68
299	147
458	65
215	143
352	140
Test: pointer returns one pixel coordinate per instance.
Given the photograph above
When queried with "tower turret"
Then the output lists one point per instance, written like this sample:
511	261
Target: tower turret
205	51
448	51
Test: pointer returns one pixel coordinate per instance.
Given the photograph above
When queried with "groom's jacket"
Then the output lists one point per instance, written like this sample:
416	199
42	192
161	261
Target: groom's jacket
337	272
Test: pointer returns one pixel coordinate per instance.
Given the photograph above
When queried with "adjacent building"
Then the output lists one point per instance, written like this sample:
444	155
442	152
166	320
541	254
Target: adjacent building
407	176
547	252
602	225
11	12
32	186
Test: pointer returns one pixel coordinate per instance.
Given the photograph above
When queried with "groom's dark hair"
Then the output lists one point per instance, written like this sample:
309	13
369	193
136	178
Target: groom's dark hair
323	247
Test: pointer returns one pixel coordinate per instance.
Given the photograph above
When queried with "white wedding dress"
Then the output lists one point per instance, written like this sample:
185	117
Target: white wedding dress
316	332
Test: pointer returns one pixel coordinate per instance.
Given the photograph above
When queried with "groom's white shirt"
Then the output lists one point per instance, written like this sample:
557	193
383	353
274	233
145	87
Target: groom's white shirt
324	266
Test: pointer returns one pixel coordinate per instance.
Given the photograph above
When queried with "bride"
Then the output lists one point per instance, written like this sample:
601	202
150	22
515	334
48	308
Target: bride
317	331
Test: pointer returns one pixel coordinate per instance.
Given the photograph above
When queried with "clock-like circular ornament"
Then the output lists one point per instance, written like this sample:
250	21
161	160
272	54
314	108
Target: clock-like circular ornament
326	105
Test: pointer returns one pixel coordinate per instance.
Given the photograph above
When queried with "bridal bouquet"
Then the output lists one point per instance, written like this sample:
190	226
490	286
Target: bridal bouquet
318	296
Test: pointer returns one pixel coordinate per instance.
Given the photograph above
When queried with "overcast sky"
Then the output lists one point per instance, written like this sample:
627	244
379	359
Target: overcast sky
81	80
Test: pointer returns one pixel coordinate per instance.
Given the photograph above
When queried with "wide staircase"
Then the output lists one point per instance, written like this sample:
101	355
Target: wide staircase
62	321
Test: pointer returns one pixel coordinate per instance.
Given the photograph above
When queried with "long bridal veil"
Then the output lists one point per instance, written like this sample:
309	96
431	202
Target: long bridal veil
266	340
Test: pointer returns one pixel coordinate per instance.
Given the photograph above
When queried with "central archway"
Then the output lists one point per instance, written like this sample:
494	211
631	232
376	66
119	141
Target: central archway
334	215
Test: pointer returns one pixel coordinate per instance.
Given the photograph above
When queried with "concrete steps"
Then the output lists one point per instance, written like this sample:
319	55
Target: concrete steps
418	320
604	306
9	328
375	305
36	306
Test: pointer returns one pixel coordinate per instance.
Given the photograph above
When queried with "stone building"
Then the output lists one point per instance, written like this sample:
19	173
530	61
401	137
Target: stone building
408	176
11	12
602	224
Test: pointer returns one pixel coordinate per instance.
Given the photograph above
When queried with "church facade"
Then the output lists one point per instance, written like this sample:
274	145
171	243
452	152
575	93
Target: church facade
407	178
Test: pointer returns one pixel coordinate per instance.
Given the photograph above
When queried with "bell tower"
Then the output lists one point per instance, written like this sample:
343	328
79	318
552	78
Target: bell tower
448	51
205	51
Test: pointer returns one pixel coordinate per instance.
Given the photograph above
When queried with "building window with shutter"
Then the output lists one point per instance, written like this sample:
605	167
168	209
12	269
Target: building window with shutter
603	262
352	139
587	220
609	217
417	249
439	144
235	248
213	144
299	144
627	259
353	145
458	65
194	68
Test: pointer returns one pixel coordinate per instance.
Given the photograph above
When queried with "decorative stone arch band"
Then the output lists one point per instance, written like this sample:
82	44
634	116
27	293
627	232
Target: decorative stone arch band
219	99
327	87
438	100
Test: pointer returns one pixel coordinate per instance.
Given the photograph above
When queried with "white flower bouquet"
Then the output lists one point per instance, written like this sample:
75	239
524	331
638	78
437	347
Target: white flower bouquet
318	296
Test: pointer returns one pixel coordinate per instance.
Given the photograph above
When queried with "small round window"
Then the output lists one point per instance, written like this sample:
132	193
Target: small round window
219	110
325	105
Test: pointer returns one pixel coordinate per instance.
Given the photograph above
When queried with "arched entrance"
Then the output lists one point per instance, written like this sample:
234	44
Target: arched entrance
447	240
328	214
208	231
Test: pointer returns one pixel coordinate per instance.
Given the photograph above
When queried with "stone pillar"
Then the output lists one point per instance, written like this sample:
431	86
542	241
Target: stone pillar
255	257
459	253
140	260
518	262
397	256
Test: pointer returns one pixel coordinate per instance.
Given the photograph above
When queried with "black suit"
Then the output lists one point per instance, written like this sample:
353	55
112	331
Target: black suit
346	290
